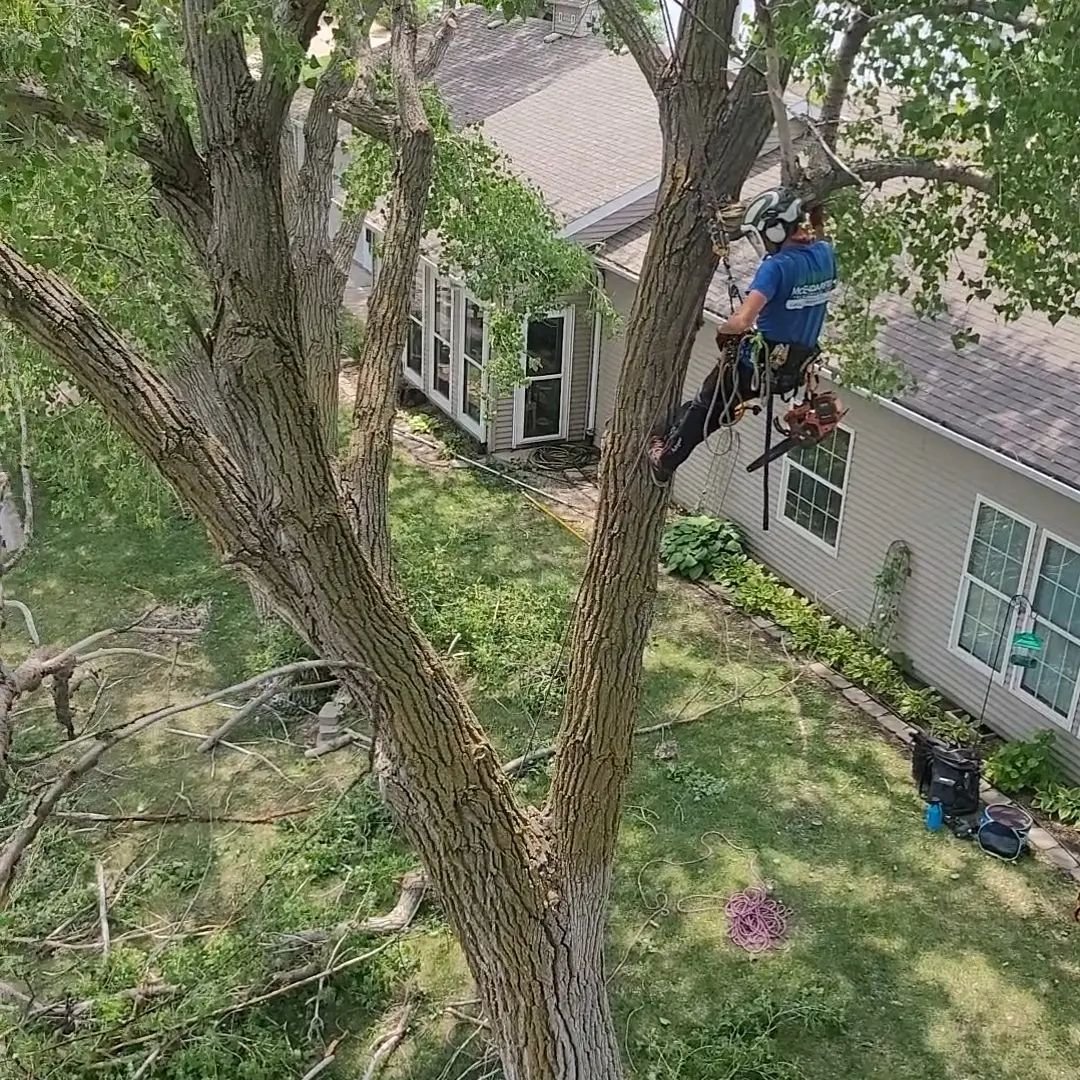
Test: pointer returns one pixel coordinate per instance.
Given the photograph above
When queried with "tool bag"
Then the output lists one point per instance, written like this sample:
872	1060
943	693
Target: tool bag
946	774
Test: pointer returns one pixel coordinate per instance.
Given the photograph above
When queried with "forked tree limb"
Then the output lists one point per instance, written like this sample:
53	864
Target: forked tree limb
386	1044
906	168
631	27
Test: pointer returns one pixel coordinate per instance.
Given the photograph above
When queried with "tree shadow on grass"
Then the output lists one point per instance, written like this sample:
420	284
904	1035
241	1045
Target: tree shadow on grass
948	964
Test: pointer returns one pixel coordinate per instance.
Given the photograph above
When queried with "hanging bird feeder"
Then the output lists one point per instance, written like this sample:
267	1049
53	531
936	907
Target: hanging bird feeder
1025	648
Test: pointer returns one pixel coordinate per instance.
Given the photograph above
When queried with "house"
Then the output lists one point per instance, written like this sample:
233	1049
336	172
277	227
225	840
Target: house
977	471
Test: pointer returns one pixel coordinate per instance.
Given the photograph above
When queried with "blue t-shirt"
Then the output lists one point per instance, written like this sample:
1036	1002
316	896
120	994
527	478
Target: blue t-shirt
798	282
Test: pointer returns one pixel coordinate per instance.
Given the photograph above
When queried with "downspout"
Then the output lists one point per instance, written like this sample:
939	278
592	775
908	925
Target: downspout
594	373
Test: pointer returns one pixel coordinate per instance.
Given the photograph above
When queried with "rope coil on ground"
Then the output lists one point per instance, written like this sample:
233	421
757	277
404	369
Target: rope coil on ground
757	922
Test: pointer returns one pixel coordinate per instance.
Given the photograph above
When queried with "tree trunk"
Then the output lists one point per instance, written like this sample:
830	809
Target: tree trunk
384	341
615	602
526	891
533	936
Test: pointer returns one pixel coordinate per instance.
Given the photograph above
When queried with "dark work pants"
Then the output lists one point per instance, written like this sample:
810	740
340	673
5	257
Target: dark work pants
712	407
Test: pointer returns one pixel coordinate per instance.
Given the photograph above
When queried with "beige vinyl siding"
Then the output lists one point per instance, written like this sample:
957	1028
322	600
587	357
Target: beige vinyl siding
612	347
502	438
904	482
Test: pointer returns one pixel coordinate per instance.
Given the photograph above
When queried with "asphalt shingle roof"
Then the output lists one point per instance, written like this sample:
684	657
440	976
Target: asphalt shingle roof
576	120
485	70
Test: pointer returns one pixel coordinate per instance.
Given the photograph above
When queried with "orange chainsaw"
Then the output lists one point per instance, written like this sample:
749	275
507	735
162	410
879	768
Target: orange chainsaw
807	422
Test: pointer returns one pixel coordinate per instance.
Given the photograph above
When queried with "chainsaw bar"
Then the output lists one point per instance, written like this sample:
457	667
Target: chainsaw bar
778	450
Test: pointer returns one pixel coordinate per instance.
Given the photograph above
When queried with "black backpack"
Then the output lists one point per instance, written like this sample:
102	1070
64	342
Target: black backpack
946	775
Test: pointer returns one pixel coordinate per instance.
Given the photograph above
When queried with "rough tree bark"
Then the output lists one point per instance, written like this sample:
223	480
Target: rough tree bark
413	144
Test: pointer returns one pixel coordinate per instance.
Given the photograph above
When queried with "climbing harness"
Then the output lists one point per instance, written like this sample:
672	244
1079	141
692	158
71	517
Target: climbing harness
778	371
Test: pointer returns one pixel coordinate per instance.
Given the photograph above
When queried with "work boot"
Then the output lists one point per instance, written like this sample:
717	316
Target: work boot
661	472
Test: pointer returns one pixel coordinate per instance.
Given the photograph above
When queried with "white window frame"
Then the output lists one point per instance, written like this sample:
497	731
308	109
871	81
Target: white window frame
461	364
1072	719
367	249
806	534
433	281
419	379
1003	676
566	375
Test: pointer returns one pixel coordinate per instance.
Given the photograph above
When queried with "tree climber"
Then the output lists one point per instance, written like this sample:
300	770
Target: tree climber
767	344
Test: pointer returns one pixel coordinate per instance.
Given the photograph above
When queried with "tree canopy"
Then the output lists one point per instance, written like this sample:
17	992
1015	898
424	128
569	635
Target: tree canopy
215	345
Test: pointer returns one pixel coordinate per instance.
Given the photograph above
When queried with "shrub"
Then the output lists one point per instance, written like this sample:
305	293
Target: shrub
1063	802
1017	766
696	547
954	729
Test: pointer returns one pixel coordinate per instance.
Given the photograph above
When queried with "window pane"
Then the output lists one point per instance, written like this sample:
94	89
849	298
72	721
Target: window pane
470	391
981	625
998	547
544	347
543	406
441	378
826	459
474	331
814	498
1057	590
1053	680
416	301
414	355
443	308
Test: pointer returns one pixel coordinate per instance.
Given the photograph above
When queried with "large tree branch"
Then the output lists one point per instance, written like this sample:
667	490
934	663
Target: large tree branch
184	184
879	172
135	396
712	136
388	308
30	101
428	64
703	47
836	92
224	88
631	27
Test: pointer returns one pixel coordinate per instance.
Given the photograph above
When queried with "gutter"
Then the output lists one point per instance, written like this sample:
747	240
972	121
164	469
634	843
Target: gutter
998	457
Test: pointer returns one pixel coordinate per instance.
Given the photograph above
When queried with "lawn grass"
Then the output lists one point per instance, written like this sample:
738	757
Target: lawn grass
910	955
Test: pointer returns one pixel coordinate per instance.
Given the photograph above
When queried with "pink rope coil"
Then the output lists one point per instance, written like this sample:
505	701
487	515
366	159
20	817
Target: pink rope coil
757	922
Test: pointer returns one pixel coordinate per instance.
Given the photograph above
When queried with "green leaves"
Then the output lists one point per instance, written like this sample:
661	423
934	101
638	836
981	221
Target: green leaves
1019	766
697	547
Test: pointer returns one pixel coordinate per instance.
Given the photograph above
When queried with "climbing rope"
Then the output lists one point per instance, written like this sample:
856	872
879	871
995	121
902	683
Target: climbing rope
756	921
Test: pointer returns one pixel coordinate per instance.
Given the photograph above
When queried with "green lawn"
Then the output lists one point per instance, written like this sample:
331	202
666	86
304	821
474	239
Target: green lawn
910	955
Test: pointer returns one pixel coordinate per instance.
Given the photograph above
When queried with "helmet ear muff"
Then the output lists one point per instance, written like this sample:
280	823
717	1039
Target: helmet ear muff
775	232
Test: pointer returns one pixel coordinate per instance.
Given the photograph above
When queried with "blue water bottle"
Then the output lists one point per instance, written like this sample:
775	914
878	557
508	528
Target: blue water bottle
934	816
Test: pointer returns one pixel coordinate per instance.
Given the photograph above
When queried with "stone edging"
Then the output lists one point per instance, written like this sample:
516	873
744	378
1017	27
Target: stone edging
1042	843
